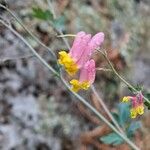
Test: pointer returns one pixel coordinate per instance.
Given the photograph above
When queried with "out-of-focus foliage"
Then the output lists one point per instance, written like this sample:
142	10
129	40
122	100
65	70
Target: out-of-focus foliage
42	14
112	138
126	26
46	15
123	119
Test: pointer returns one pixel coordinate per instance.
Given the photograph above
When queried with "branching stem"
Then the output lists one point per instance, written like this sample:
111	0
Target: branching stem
68	87
118	75
63	80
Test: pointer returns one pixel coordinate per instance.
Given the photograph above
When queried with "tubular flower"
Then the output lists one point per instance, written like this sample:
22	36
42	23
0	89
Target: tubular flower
137	107
140	108
87	77
69	64
81	51
133	110
126	99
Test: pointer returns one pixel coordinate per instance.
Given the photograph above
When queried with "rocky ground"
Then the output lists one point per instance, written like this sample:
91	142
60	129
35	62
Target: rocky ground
36	111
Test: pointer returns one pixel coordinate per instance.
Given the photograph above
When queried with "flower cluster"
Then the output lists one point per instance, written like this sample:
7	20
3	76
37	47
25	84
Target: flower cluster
79	59
137	107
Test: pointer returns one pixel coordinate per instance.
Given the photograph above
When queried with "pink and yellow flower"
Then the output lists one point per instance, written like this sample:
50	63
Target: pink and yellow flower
81	51
137	107
87	77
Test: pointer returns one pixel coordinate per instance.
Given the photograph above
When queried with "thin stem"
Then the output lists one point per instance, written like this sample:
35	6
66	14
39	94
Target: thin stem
28	31
106	109
65	83
90	106
118	75
103	69
64	39
67	35
30	47
51	7
100	115
96	94
61	33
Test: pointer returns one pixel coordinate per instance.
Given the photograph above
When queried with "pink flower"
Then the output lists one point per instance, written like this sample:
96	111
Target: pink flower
93	43
87	77
88	72
81	51
79	46
137	107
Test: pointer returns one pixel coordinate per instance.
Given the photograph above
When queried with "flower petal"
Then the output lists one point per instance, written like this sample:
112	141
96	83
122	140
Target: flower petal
96	41
79	45
133	113
88	72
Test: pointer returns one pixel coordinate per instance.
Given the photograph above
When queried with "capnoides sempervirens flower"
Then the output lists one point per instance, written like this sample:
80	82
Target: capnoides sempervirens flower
79	58
137	107
87	77
81	51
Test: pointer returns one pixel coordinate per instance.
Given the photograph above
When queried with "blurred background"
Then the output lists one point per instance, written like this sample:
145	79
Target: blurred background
36	110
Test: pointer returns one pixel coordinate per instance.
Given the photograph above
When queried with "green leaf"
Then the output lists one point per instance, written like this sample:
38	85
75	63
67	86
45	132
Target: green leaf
112	138
132	128
147	95
147	104
116	116
59	23
42	14
124	113
139	87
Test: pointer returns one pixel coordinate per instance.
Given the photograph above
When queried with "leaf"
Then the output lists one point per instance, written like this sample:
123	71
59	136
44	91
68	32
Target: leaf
147	95
59	23
124	113
42	14
139	87
147	104
132	128
116	116
112	138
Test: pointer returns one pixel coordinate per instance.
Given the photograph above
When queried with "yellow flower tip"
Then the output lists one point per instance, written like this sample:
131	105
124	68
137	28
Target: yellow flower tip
62	56
133	113
69	64
76	85
140	110
125	99
85	85
63	53
72	69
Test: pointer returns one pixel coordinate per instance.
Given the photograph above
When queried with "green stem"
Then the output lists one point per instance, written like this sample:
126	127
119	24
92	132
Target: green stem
119	76
75	94
85	102
28	31
106	109
51	7
64	39
62	79
30	47
67	35
100	116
